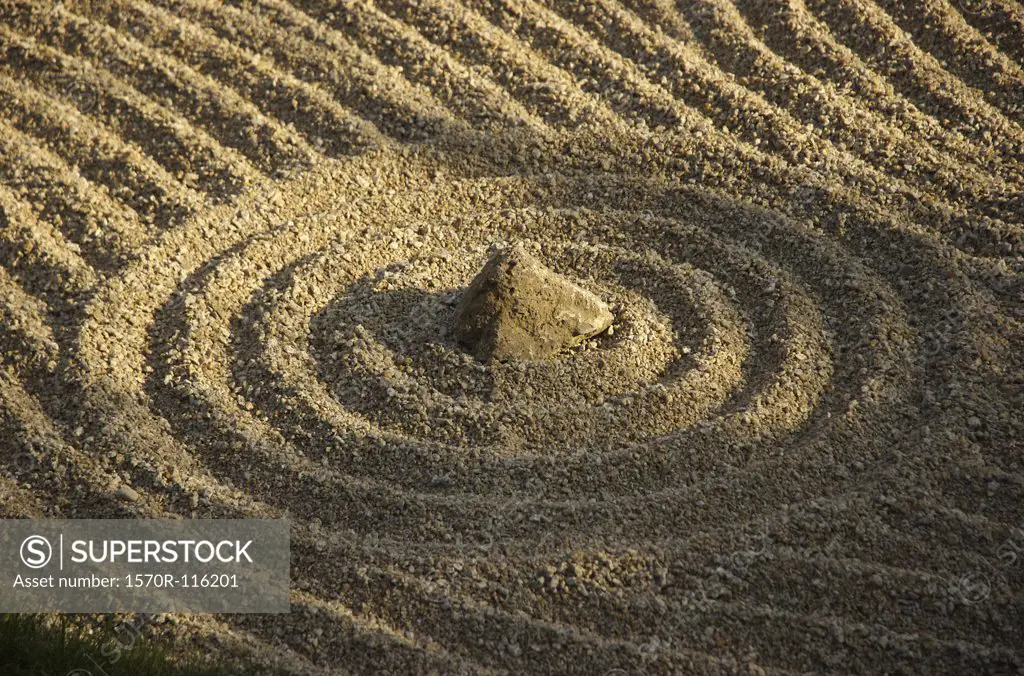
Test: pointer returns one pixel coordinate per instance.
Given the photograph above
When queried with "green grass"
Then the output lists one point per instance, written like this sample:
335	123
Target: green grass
30	645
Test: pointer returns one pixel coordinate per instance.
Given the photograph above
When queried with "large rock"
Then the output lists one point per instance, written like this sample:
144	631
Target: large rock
517	308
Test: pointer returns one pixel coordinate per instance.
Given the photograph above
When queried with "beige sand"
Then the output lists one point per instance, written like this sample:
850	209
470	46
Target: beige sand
232	240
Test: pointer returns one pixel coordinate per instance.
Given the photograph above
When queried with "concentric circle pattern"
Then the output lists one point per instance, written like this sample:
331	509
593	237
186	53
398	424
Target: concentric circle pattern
233	237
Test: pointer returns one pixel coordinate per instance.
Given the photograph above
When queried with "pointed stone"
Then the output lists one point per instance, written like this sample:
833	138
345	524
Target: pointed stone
518	308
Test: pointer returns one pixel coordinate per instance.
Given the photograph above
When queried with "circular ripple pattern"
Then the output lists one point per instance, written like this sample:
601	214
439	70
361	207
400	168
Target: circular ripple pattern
233	237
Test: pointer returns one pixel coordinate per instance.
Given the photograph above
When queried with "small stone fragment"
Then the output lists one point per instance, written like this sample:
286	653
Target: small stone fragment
127	493
517	308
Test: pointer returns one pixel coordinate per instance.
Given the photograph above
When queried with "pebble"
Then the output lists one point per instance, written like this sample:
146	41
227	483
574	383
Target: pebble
127	493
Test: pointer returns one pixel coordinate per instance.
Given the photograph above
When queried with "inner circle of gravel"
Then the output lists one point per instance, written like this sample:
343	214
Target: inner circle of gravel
368	358
387	339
